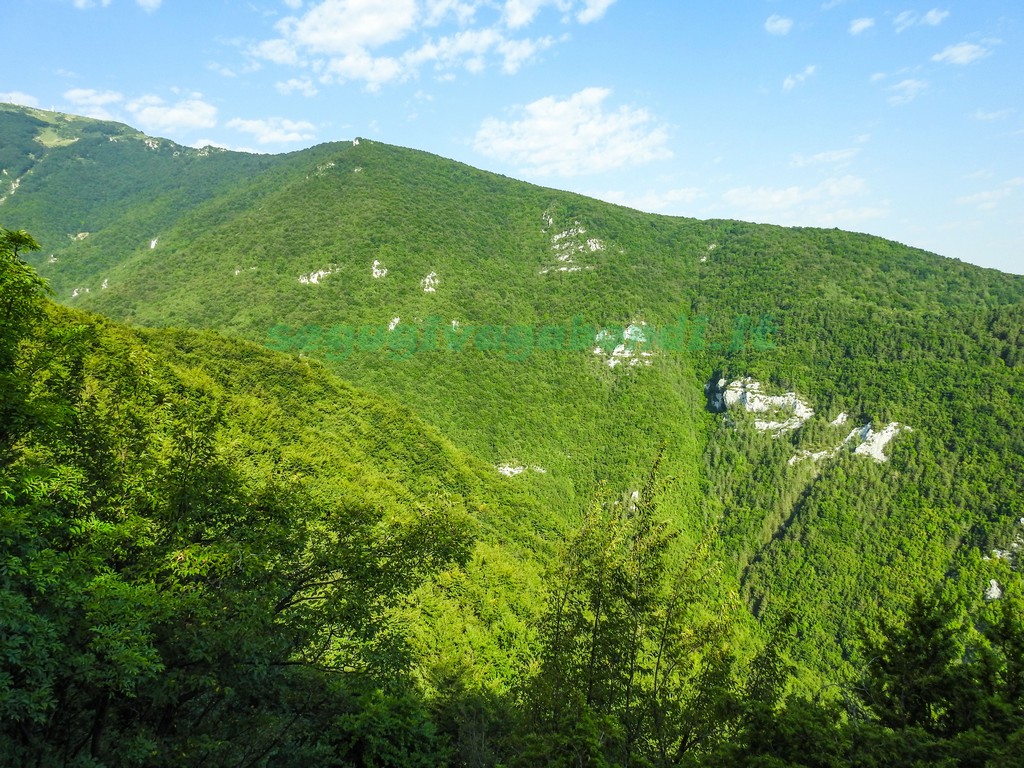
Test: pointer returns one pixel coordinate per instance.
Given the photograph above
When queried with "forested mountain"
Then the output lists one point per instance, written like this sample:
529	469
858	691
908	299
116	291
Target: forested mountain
775	454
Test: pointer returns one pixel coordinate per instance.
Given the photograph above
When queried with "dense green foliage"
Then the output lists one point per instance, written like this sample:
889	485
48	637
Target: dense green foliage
193	574
741	540
128	187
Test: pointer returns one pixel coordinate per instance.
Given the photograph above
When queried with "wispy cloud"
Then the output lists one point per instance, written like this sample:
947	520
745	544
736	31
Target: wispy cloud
520	13
302	85
515	53
835	156
905	20
151	113
858	26
345	26
380	42
906	91
778	25
792	81
783	198
92	103
573	136
593	10
82	5
274	130
961	53
832	202
19	97
989	199
668	200
200	143
908	19
998	114
462	11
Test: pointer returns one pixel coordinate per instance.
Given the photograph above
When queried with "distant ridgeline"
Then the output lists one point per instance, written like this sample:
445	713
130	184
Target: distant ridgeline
838	418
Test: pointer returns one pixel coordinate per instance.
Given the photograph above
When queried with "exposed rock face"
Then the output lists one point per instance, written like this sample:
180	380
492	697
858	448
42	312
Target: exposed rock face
630	350
867	442
569	243
994	591
873	442
783	413
314	278
511	470
788	412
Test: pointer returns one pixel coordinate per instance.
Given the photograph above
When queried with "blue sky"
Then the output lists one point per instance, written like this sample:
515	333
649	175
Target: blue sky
901	119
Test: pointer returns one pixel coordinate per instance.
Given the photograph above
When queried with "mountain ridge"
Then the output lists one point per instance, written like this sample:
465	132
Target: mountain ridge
325	242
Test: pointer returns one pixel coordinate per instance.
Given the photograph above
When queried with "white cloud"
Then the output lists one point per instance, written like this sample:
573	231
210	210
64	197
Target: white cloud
905	20
998	114
468	48
517	52
830	203
149	5
908	19
17	97
152	114
857	26
221	69
385	41
784	198
989	199
961	53
84	4
837	156
220	145
778	25
92	103
279	51
439	10
593	10
452	50
657	201
573	136
519	13
906	91
296	85
82	96
983	173
792	81
275	130
348	26
360	65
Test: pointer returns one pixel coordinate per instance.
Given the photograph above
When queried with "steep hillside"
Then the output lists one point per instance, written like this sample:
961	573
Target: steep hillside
206	543
126	184
844	411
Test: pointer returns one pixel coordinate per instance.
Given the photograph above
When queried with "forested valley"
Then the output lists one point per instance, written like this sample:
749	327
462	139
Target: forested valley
361	457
